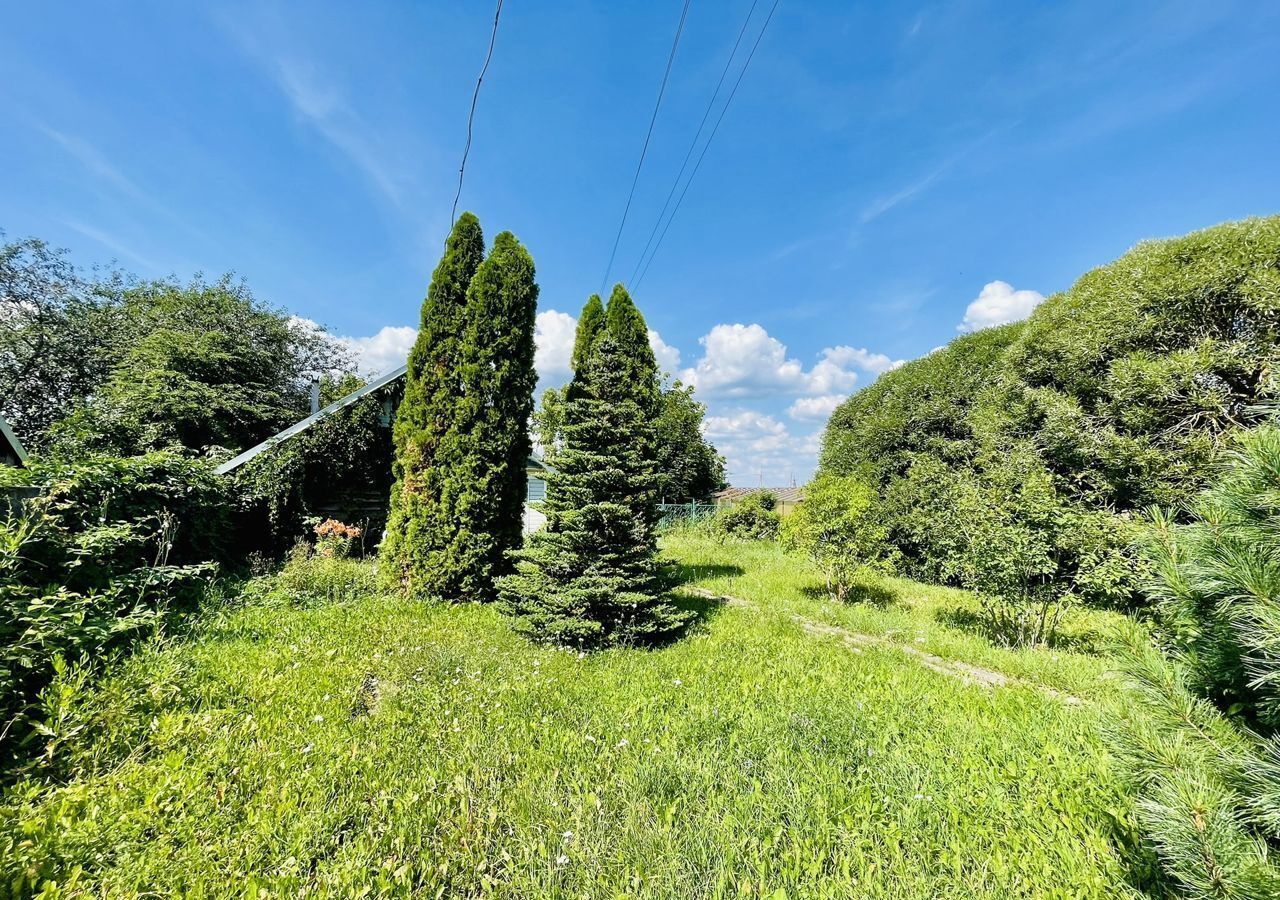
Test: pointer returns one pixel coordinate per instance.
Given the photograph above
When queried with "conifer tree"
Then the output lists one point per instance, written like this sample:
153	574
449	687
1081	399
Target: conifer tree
628	328
590	578
487	484
419	524
590	323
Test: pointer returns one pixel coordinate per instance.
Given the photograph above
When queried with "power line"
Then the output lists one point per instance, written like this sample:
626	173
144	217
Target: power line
693	145
710	138
493	38
645	149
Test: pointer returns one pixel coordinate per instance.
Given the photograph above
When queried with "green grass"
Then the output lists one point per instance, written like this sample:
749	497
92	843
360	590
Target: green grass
751	758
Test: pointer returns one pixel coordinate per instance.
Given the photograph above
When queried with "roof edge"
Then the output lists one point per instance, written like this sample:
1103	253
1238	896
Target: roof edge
13	441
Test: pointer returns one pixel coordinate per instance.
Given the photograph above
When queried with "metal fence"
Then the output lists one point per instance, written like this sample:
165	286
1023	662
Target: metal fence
673	513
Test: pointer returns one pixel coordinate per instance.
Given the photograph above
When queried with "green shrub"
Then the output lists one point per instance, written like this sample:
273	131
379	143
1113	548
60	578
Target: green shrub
1203	750
327	579
96	560
1123	389
838	527
753	517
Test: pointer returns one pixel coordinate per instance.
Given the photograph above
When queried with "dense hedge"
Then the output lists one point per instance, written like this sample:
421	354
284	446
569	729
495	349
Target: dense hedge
1114	395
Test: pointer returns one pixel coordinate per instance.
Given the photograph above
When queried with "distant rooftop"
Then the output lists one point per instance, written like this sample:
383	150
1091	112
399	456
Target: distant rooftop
783	494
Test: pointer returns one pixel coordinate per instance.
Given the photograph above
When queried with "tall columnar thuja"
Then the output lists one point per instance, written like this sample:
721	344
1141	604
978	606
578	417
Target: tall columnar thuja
590	324
591	578
419	522
488	483
461	432
624	322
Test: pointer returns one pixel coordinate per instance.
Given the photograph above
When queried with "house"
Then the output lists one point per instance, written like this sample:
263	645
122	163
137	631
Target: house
788	498
368	503
11	451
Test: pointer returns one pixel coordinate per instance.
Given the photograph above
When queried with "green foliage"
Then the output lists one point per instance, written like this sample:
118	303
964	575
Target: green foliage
688	465
422	520
499	379
94	563
548	422
462	440
751	517
626	326
837	526
590	578
591	322
54	342
394	749
1204	758
198	365
340	461
1217	584
312	576
1120	391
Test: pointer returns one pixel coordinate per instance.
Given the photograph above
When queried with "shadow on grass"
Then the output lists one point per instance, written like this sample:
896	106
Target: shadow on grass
1076	640
685	573
869	592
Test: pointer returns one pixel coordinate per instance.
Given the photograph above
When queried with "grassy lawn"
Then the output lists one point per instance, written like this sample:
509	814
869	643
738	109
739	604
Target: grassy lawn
376	746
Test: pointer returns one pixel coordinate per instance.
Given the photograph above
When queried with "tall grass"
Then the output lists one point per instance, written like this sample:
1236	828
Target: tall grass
387	748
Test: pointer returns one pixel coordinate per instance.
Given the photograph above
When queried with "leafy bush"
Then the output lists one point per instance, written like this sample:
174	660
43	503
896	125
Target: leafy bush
1120	391
327	579
98	557
752	517
838	527
1204	754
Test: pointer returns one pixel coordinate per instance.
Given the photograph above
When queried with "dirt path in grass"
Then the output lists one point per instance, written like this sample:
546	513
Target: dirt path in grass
856	641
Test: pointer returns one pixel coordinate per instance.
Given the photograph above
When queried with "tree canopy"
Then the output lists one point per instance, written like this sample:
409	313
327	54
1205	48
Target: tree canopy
1115	394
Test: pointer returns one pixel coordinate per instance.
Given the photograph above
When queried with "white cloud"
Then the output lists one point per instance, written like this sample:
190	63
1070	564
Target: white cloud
817	409
757	447
745	361
554	341
858	357
999	304
668	357
380	353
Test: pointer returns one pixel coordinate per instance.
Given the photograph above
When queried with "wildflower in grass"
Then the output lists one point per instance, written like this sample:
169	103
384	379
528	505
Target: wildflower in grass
562	860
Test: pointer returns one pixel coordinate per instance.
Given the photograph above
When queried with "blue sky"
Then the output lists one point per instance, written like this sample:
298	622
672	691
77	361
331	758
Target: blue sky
886	174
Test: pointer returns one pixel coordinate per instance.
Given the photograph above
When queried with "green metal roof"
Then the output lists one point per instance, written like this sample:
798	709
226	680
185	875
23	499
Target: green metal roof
7	435
298	427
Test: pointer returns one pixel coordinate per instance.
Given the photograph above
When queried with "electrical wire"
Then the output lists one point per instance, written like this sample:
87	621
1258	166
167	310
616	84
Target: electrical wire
493	38
645	149
710	138
693	145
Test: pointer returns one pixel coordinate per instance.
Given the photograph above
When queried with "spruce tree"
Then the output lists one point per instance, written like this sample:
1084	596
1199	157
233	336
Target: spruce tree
486	487
624	322
590	578
419	525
